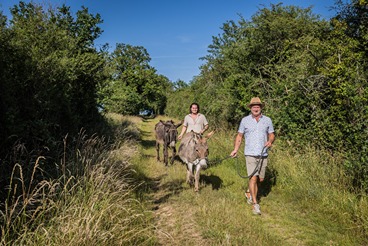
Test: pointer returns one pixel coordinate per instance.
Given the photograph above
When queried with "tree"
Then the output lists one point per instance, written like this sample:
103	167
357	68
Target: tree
346	67
312	74
49	78
134	85
270	56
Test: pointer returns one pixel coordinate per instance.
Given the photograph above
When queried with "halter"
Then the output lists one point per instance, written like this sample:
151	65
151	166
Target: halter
196	161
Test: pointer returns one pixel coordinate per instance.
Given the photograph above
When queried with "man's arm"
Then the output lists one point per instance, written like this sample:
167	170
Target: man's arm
271	139
237	143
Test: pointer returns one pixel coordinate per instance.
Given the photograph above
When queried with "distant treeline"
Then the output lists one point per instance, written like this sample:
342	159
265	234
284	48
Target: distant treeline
311	72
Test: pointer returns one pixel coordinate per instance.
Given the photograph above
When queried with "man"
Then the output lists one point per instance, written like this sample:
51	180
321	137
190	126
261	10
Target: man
194	121
258	132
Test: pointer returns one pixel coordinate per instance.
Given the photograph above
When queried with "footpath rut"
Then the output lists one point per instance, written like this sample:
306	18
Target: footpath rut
174	225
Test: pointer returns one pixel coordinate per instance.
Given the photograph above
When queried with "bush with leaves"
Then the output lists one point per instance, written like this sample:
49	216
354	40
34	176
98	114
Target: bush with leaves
133	84
310	72
50	72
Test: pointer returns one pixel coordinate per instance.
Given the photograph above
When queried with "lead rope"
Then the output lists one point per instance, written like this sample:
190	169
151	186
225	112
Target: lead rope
215	162
256	169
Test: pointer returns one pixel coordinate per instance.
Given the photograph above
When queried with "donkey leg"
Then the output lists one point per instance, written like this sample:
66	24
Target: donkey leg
165	155
173	155
197	176
158	151
190	173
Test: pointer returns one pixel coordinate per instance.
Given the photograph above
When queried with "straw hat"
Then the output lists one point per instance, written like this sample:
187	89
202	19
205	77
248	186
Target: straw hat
255	101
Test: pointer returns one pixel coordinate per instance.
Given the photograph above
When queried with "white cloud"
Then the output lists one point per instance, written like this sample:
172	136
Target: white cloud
184	39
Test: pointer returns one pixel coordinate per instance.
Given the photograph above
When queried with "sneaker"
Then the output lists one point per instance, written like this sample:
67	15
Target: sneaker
256	209
249	198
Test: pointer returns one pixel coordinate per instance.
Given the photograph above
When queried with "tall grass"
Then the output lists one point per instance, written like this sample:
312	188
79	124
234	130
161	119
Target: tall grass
120	195
93	202
306	199
318	184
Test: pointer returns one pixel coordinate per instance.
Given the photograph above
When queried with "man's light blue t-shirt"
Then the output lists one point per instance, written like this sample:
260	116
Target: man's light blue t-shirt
255	134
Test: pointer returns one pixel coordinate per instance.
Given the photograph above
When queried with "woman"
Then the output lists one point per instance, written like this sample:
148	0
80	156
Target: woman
194	121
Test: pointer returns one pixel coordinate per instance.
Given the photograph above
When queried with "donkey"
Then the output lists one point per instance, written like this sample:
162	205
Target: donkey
166	134
193	151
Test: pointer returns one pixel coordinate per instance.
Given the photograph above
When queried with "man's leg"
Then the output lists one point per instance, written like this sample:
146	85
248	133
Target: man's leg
253	185
248	196
253	188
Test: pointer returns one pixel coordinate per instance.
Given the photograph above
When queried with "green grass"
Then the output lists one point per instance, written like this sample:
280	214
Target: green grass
96	206
126	197
305	199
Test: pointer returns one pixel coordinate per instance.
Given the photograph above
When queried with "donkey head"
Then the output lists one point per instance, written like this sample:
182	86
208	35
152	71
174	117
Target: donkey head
171	132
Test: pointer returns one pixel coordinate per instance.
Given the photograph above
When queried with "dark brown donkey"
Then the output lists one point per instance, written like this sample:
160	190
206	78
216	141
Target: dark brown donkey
166	134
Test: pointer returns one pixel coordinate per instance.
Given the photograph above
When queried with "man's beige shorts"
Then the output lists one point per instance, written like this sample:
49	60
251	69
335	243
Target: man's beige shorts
252	162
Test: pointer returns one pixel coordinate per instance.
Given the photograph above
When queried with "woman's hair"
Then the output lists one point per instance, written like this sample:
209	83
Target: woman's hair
190	108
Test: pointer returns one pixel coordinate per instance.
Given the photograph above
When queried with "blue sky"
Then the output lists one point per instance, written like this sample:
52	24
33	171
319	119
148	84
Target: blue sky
176	33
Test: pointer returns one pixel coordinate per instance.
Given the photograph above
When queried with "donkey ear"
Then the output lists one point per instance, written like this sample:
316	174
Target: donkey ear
168	123
209	134
179	124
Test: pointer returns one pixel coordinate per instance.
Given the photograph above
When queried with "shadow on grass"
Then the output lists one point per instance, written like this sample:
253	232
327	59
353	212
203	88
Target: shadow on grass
155	190
265	187
213	180
171	188
148	144
148	118
177	159
270	180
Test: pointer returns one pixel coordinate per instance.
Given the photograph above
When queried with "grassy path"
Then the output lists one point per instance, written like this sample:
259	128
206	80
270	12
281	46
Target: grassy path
126	197
174	225
219	214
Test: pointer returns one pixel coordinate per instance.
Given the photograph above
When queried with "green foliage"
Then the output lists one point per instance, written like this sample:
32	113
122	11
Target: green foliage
50	73
54	66
259	58
179	101
345	67
93	201
311	73
133	84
